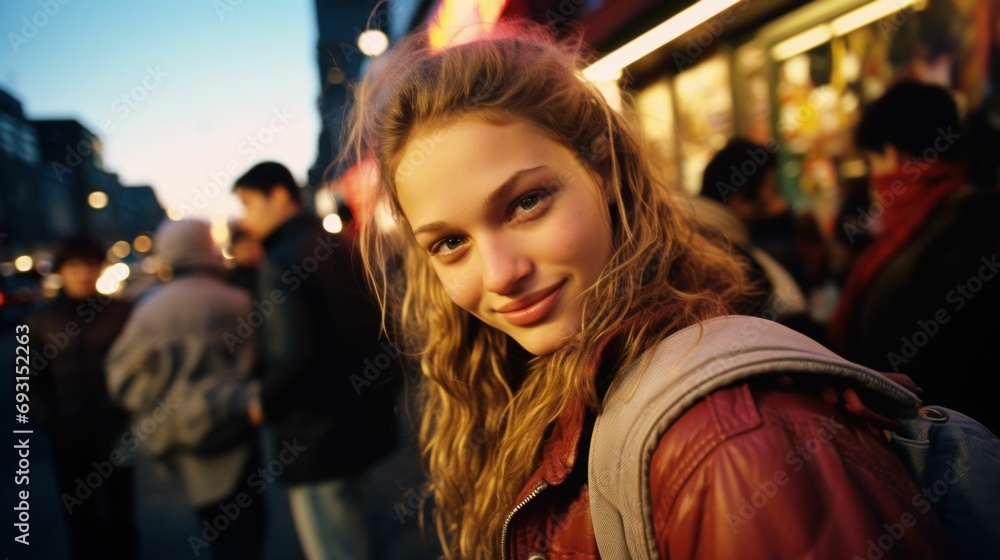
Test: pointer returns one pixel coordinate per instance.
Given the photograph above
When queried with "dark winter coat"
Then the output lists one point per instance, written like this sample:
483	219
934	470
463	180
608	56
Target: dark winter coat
69	398
933	311
327	375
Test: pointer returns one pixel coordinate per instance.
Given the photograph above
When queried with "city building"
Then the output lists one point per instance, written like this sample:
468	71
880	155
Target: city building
53	184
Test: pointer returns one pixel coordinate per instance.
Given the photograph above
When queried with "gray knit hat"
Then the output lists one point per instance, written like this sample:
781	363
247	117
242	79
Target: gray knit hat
187	244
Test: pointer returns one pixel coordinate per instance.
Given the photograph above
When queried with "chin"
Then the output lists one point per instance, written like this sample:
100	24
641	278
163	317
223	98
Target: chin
544	341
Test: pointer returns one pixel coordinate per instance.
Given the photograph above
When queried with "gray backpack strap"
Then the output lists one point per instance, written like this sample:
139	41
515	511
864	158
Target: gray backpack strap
652	393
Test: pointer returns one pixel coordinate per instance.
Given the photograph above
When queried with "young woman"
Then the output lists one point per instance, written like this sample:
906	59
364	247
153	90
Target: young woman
528	220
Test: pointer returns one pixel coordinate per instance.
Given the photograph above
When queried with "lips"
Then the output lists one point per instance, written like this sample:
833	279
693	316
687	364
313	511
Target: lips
531	308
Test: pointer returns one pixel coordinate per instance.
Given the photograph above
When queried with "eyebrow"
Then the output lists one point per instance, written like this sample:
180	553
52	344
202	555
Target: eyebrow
497	193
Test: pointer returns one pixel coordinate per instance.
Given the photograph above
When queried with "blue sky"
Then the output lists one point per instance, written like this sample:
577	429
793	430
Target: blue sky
184	94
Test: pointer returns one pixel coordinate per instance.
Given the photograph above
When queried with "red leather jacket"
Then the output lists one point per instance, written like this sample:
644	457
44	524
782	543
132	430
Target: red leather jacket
752	471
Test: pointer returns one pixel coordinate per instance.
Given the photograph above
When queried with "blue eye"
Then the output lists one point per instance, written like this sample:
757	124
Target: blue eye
531	204
447	245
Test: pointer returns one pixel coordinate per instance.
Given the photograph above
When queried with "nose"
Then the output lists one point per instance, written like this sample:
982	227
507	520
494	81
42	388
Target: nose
504	265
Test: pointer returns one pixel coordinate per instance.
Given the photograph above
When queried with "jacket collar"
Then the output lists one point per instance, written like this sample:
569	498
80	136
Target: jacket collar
559	453
561	449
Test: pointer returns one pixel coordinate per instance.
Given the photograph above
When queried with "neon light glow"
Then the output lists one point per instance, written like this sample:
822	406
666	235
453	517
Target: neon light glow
460	21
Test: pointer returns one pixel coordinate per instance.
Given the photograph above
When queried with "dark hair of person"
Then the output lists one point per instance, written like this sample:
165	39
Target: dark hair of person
739	160
920	120
266	176
80	247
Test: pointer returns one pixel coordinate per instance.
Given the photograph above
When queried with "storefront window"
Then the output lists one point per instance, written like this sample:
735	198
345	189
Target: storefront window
704	117
655	109
849	60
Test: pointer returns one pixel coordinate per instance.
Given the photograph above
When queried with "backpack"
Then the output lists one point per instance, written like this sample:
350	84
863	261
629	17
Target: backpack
183	398
933	443
205	417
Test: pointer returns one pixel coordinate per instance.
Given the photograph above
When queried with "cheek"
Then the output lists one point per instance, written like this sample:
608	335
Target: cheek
585	245
461	286
256	218
602	255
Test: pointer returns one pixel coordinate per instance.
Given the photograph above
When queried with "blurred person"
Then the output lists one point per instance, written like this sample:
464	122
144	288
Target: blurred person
247	255
924	297
537	222
743	176
183	360
730	204
326	373
71	335
854	229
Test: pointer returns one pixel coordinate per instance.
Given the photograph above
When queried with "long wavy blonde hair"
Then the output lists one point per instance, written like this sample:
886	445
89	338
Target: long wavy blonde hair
486	411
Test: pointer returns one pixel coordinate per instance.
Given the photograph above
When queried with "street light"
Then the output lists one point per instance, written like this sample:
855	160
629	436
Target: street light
121	249
333	223
113	278
373	42
97	200
142	244
24	263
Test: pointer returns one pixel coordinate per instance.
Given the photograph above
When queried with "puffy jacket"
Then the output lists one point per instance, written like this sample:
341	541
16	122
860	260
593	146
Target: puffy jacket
177	339
757	470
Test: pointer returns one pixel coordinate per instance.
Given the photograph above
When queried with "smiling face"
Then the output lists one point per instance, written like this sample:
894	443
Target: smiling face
514	225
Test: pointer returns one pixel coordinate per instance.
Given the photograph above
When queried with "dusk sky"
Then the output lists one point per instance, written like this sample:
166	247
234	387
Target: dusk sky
185	95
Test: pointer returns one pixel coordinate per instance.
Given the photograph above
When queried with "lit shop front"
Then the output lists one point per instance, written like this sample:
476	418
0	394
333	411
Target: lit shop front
796	79
842	57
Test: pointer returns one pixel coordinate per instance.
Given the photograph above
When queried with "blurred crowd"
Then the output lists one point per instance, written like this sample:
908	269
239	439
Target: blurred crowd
188	369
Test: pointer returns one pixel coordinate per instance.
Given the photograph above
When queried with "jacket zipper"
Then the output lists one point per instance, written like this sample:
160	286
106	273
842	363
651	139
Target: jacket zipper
504	537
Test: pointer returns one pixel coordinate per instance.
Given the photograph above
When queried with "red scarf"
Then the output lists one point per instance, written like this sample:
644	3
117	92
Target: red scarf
909	196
